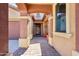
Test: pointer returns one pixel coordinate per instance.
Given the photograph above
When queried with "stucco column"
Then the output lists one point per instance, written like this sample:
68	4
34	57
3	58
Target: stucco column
50	29
43	29
23	33
30	27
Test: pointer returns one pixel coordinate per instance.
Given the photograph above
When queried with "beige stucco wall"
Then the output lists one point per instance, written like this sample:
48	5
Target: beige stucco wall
13	24
23	28
64	43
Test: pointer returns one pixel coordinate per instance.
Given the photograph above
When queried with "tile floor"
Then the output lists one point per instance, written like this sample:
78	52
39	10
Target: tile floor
46	49
38	47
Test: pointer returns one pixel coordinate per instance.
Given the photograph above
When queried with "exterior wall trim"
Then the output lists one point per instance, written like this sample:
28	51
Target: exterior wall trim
18	18
66	35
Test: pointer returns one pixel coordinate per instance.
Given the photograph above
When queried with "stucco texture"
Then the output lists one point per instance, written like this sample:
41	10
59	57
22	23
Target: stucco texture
65	45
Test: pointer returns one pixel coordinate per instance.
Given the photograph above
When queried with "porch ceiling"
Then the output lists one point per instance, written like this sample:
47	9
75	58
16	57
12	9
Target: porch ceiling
27	8
35	8
39	8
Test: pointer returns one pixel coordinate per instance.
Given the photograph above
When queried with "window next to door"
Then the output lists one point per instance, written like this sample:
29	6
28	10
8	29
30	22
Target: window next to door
61	17
62	20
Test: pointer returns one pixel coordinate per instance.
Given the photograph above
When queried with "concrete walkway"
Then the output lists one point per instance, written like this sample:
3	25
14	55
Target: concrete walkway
33	50
40	47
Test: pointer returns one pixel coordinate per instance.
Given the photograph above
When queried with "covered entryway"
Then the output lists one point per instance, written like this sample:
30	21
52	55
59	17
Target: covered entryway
35	32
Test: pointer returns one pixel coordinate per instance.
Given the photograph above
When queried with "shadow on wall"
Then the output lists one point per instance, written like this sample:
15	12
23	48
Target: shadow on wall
14	30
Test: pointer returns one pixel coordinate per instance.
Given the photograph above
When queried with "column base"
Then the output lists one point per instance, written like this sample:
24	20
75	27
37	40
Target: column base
31	36
50	41
24	42
75	53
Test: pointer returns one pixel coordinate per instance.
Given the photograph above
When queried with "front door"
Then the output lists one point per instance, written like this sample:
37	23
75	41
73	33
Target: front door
37	30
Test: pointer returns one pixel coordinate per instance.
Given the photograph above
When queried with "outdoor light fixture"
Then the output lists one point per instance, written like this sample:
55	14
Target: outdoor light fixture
38	16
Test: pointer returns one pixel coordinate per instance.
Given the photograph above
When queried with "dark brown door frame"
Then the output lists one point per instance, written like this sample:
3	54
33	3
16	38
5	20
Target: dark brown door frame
3	28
